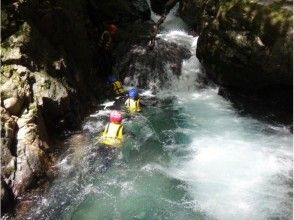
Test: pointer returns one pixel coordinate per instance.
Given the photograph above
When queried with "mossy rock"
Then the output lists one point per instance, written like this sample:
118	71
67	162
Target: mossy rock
250	47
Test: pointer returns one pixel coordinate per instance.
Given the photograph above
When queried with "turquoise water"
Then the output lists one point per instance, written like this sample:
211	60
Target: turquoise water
191	157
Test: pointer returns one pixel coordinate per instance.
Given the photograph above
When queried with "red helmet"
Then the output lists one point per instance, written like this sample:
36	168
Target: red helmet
115	117
112	28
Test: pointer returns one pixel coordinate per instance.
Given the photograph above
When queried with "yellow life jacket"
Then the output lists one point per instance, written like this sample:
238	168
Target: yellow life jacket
112	134
133	105
118	88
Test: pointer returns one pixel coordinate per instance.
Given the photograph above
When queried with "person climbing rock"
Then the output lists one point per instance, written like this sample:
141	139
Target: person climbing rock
161	20
105	45
113	133
153	33
156	28
133	103
106	38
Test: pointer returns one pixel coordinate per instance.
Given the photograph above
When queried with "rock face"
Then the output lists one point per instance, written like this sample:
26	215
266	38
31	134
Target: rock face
145	68
50	78
7	198
157	6
246	46
32	140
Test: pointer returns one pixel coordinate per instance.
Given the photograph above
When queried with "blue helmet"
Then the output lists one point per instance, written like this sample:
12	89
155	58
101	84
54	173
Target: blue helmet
111	78
133	93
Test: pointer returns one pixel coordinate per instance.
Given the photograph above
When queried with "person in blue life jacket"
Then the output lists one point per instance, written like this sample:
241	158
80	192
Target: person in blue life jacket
133	103
113	133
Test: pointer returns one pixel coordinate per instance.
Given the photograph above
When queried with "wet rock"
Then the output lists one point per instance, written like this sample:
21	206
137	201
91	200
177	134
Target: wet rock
245	38
49	65
46	87
8	125
13	104
15	90
31	148
245	45
142	9
151	64
8	150
7	198
157	6
8	162
122	11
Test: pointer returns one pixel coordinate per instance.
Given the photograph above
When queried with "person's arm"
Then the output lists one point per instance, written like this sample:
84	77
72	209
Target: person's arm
99	136
101	39
142	103
108	40
148	102
100	130
153	33
127	103
161	20
128	132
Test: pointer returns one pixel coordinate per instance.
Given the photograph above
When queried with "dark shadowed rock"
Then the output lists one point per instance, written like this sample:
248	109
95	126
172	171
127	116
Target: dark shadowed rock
50	75
143	67
7	198
246	46
157	6
8	150
31	148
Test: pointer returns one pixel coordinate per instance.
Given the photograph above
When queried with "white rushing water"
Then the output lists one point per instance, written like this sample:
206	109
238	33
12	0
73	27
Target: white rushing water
238	167
192	157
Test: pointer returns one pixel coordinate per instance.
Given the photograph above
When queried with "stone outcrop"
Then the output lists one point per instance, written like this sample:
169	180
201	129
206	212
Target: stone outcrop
50	78
145	68
7	197
246	47
32	144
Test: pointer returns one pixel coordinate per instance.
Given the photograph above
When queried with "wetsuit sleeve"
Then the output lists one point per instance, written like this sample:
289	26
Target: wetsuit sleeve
149	102
108	41
142	103
127	102
105	40
128	132
161	20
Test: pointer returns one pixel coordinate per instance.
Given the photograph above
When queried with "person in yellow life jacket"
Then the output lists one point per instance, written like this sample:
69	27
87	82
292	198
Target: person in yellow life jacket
133	103
113	133
117	87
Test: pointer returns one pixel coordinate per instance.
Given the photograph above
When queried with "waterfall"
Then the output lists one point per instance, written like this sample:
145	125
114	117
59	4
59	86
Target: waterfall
192	156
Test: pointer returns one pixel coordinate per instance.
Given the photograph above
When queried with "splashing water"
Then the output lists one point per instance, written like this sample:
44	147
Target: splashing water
192	157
